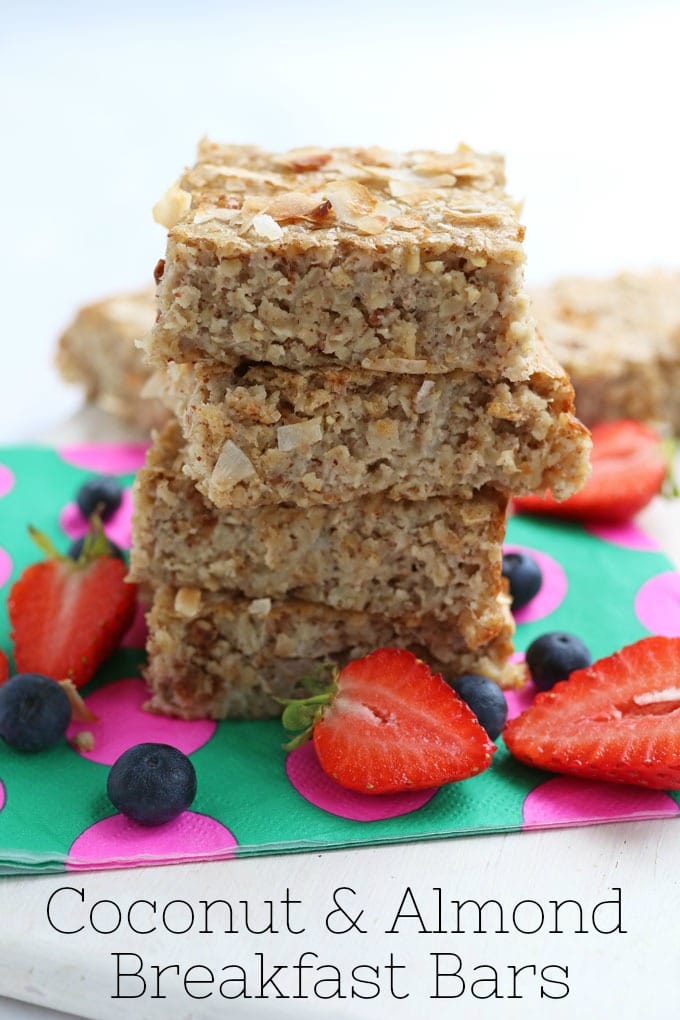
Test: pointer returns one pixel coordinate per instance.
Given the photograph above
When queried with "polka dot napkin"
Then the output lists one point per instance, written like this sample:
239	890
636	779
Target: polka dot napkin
610	586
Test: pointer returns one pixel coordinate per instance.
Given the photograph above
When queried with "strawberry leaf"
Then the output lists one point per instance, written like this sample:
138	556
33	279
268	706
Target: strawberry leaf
670	489
45	544
301	714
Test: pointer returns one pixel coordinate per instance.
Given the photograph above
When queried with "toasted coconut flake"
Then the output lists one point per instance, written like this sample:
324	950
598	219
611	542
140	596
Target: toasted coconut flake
214	212
437	181
212	170
232	466
260	607
188	602
355	206
402	187
253	205
323	211
174	204
472	217
370	224
375	156
434	166
351	199
266	226
300	205
414	193
406	222
303	160
304	433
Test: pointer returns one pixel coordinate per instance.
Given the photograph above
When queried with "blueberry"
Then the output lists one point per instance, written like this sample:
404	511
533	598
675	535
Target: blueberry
76	548
554	656
103	495
486	700
34	712
524	577
152	783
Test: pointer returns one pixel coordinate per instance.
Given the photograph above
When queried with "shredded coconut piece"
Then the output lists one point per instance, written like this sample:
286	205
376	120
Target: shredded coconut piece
266	226
188	602
174	204
214	212
232	466
421	402
413	262
304	433
260	607
301	160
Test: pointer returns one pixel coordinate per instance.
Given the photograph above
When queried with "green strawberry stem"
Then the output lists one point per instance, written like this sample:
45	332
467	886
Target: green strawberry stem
96	544
45	544
669	447
302	714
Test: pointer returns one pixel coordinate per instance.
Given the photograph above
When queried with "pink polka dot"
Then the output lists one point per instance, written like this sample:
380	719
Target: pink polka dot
566	801
312	783
126	844
122	723
552	591
6	480
3	796
657	604
106	458
519	699
5	567
118	528
627	535
138	633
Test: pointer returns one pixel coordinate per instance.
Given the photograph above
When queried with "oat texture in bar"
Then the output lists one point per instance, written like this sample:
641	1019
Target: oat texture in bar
259	435
99	353
210	655
359	257
438	557
619	339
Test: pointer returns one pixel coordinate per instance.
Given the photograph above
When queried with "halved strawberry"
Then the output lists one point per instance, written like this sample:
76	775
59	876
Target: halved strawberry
68	616
4	667
388	724
629	466
618	720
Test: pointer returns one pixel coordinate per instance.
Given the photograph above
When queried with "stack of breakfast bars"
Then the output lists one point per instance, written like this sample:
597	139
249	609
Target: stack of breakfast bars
356	388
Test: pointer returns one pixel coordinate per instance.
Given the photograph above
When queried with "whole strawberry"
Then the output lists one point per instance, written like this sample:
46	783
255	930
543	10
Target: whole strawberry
68	616
388	724
4	667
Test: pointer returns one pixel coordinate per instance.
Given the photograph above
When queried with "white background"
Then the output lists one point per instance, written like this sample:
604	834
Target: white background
102	106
